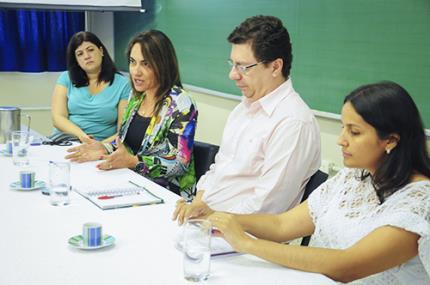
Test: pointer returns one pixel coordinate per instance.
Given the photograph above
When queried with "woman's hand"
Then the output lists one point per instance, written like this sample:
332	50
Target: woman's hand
228	227
120	158
89	150
85	138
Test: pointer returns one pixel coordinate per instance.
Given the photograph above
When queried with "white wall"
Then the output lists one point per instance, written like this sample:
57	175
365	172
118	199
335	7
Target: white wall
101	23
32	93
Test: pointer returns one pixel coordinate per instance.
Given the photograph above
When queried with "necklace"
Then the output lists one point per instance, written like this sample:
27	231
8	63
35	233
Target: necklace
146	110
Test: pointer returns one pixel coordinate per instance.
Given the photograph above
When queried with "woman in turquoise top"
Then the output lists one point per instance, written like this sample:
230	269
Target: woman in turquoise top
157	134
89	98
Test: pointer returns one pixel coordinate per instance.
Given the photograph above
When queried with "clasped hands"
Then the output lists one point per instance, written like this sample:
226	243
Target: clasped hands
91	150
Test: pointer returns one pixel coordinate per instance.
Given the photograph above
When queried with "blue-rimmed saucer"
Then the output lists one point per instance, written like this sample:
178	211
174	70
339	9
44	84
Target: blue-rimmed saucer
17	186
3	152
78	242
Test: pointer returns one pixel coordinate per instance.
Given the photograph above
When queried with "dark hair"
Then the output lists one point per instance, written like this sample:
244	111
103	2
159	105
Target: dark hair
389	108
269	40
77	75
158	51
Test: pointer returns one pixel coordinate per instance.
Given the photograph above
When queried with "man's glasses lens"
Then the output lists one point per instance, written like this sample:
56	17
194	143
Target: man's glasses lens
243	69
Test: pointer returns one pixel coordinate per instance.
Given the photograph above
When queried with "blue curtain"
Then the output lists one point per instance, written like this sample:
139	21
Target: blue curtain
36	41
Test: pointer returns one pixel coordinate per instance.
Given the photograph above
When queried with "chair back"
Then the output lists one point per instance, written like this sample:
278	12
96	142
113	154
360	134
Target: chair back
204	156
316	180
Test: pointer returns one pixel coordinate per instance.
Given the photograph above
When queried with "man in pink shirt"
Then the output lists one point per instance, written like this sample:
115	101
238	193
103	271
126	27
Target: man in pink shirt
271	142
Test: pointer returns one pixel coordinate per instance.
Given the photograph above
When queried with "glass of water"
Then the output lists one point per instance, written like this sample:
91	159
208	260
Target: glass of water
59	183
197	249
20	143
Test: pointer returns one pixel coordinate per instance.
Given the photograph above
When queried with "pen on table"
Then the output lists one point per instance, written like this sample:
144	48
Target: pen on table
106	197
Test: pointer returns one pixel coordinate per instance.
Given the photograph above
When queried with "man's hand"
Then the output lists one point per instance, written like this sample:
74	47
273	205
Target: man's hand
184	211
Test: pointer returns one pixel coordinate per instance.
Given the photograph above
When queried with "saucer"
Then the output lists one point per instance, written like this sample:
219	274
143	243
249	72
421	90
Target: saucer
17	186
78	242
5	153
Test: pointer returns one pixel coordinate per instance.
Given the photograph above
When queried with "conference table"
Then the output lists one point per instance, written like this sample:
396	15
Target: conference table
34	245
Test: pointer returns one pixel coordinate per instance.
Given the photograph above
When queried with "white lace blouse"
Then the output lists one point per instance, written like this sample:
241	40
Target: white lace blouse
345	209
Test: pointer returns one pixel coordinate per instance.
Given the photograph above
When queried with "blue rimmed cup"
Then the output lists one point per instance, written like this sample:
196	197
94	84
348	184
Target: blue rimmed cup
92	234
8	147
26	179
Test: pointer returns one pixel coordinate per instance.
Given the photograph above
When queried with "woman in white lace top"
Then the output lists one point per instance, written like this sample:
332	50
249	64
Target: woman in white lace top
371	222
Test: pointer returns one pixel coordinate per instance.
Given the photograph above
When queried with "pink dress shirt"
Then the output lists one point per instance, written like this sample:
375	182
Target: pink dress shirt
269	150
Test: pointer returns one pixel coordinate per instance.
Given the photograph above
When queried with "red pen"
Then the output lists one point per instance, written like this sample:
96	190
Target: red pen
106	197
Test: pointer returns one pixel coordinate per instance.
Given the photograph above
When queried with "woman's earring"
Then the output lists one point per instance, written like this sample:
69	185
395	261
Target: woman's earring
388	151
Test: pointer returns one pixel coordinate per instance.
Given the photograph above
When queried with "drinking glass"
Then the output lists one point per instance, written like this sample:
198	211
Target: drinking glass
197	249
8	145
59	183
21	141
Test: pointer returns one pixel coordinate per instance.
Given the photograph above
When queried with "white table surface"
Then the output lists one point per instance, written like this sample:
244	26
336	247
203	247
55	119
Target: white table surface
34	234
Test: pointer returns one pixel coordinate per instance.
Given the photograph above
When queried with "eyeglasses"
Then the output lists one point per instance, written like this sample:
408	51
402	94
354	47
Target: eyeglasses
242	69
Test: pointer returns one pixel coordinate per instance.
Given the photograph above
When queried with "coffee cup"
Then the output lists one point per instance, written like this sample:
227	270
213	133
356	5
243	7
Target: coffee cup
26	179
92	234
8	147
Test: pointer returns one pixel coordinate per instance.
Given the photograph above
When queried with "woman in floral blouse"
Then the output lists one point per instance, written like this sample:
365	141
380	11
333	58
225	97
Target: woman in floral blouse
157	132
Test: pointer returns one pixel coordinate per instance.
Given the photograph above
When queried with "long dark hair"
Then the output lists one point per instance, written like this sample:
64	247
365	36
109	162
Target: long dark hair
269	40
389	108
77	75
158	51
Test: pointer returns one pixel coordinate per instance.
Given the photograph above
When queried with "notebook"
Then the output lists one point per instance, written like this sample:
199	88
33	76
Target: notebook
120	195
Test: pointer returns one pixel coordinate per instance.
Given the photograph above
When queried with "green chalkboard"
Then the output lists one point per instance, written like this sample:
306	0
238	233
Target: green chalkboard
337	44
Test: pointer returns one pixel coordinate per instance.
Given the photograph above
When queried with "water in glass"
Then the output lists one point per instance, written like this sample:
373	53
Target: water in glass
20	157
197	249
196	264
59	183
59	195
20	144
